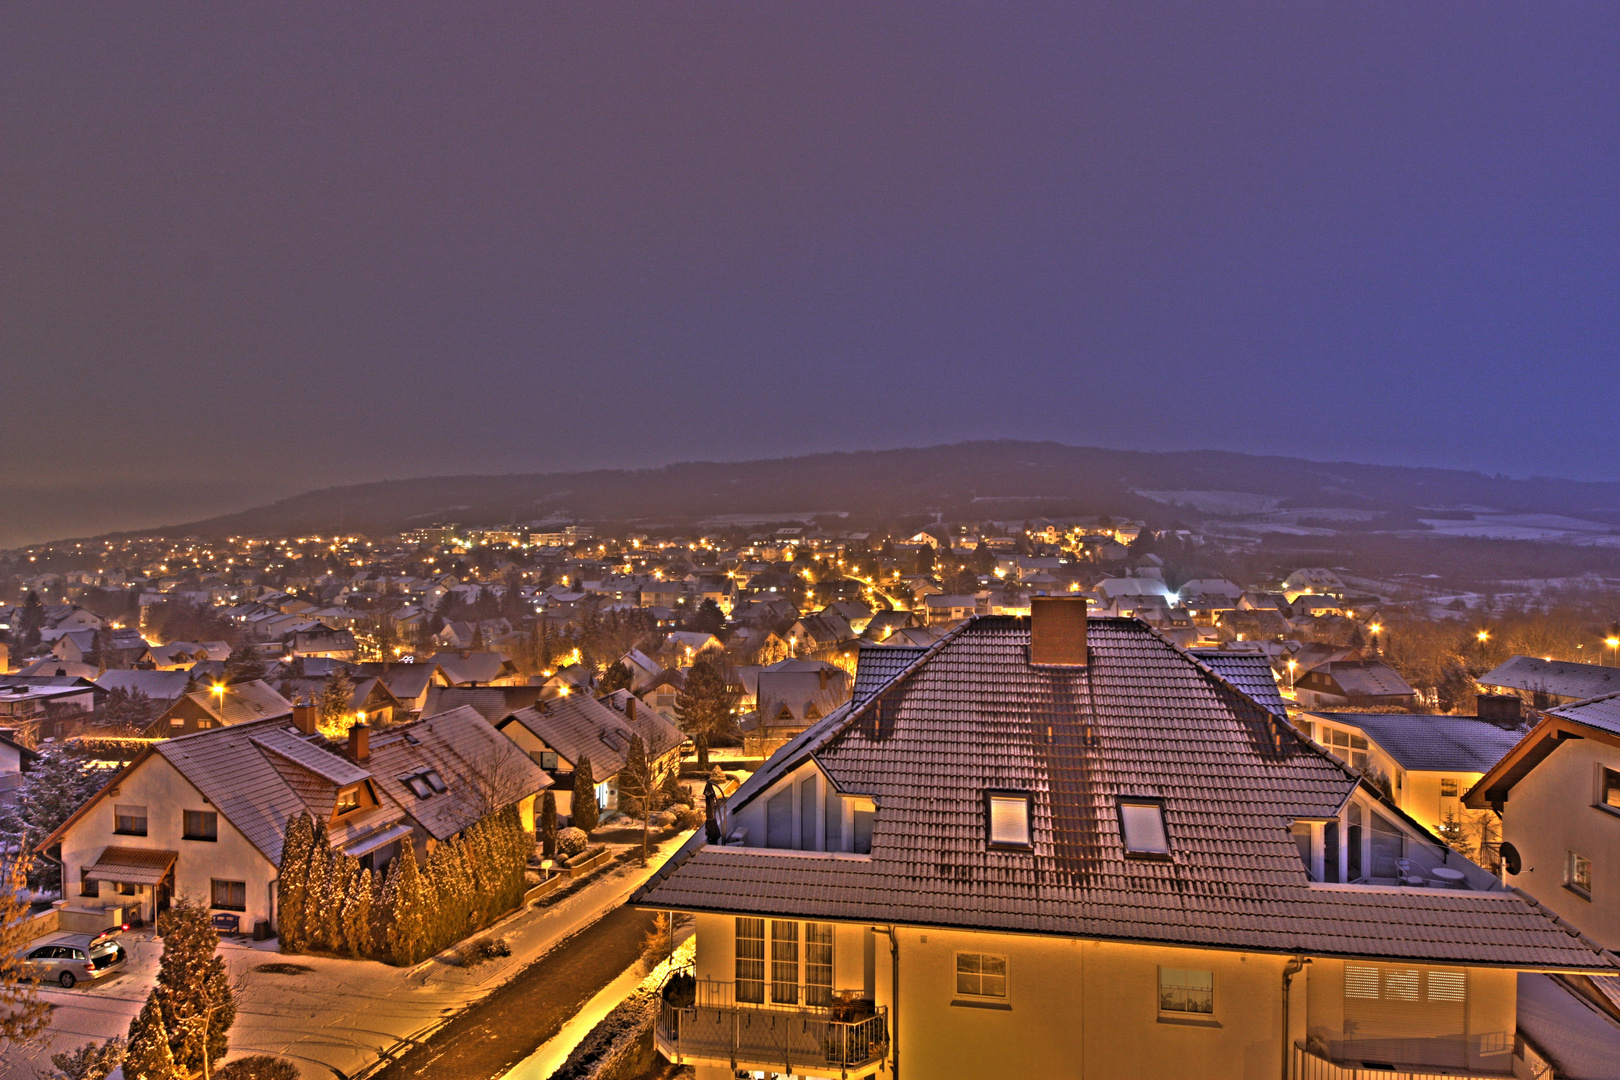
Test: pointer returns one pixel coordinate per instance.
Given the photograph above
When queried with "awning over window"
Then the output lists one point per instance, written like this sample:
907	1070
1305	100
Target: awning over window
132	866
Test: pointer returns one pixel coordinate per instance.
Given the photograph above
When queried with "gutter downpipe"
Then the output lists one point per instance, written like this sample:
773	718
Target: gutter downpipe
894	999
1295	965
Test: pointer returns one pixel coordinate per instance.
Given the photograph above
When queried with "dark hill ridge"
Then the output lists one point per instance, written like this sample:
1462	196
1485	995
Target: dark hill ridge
974	479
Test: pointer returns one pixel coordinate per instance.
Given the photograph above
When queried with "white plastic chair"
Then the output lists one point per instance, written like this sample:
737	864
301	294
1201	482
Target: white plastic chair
1410	874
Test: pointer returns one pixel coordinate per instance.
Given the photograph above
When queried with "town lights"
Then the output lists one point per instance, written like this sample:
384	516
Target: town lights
1483	636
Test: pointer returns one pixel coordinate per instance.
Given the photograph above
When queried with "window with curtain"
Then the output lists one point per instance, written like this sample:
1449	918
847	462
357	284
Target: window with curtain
750	963
784	962
818	963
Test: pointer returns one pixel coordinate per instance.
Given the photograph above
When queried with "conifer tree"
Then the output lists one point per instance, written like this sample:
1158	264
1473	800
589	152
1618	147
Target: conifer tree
333	709
317	909
408	917
548	824
636	785
149	1056
25	1016
585	812
292	881
356	906
192	990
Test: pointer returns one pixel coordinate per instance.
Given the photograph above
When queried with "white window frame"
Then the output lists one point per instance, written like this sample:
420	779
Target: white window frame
1006	978
1573	861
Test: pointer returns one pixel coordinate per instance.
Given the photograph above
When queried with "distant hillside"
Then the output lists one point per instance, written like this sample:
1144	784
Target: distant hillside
1002	479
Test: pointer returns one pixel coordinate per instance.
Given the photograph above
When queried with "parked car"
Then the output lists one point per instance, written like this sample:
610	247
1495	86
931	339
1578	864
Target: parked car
73	957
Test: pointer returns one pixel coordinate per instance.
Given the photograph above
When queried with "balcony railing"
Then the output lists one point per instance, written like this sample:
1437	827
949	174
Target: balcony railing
1309	1065
798	1038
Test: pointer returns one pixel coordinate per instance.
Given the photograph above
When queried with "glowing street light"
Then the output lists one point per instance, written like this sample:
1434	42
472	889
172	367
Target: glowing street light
1613	643
1483	636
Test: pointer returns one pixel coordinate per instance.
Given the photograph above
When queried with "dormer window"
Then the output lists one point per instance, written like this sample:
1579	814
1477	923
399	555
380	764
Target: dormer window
1007	814
348	801
1141	828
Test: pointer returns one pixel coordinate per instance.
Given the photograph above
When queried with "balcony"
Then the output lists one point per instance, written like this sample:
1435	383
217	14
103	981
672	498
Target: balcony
704	1024
1310	1065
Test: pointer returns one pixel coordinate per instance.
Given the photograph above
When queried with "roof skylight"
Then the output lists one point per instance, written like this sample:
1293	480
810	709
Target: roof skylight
1141	827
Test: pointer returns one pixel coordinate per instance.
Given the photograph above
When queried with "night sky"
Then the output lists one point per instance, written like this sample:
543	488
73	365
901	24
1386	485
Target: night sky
251	251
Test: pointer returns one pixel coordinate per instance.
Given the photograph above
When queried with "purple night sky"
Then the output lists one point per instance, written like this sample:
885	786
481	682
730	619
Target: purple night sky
250	250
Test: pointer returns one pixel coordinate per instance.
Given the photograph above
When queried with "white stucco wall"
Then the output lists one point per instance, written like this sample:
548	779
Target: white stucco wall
1552	811
166	794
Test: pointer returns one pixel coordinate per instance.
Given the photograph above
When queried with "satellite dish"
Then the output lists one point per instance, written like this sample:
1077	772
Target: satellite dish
1510	859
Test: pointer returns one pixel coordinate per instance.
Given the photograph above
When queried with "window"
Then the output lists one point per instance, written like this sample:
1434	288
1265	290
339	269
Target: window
1448	787
981	975
434	781
834	825
1578	873
201	825
784	962
1183	990
1345	746
818	963
750	963
1301	832
863	831
231	895
1609	789
348	800
418	786
129	820
86	886
1008	815
779	819
1141	827
547	759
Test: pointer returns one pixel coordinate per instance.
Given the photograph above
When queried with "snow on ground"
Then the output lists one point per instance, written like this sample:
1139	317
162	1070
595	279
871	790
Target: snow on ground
337	1015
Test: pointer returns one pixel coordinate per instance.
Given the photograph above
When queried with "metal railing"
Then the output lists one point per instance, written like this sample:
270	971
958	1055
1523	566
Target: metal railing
1309	1065
798	1038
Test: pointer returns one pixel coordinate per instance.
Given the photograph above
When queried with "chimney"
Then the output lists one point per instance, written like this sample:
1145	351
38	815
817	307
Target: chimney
1504	710
304	717
1057	631
823	673
630	707
360	741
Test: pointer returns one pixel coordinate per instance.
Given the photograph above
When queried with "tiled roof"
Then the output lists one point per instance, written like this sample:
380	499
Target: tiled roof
480	768
877	664
1143	718
1250	673
1560	678
243	702
1435	743
493	703
1366	678
578	724
258	791
132	866
1600	712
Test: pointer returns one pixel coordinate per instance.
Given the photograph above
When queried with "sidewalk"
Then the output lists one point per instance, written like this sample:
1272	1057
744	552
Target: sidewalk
334	1017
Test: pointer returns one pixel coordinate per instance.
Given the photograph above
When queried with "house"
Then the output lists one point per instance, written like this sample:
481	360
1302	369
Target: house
371	701
493	703
558	732
884	623
205	814
1428	761
1550	682
162	688
407	682
1558	795
1358	683
181	655
791	700
15	760
1313	579
477	668
218	705
659	692
942	609
822	630
321	640
684	646
47	704
123	648
1048	848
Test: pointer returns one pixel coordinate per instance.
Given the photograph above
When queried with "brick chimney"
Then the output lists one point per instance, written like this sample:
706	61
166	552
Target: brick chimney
1504	710
360	741
823	673
630	707
1057	631
304	714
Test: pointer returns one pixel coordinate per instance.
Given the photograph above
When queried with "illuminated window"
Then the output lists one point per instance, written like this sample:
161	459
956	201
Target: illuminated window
1448	788
348	801
981	975
1578	873
1183	990
1610	793
1141	826
1008	815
